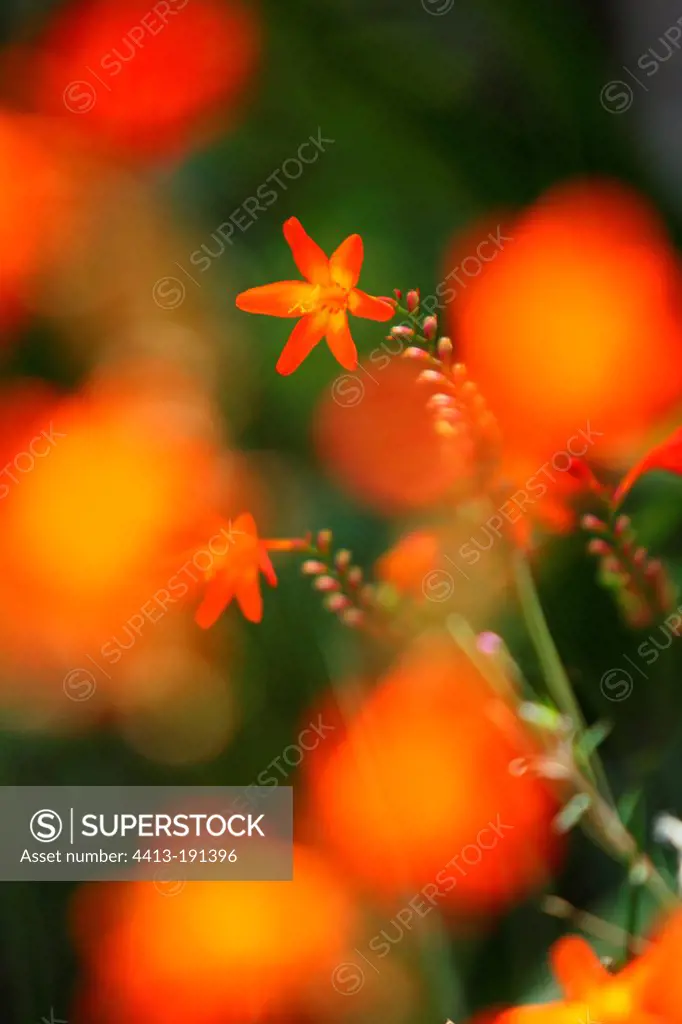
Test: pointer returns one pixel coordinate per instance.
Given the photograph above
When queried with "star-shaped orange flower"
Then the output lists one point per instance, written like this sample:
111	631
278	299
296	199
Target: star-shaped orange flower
646	991
236	574
322	301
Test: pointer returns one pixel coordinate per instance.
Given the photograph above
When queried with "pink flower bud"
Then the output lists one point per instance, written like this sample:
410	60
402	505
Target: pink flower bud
336	603
431	377
412	300
592	523
430	328
440	401
415	353
622	525
313	568
402	332
342	559
326	584
352	617
444	348
324	539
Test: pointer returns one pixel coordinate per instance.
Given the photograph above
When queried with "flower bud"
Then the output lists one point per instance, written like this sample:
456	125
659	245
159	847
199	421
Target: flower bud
342	559
326	584
431	377
430	327
313	568
412	300
336	603
415	353
352	617
324	539
592	524
444	349
354	576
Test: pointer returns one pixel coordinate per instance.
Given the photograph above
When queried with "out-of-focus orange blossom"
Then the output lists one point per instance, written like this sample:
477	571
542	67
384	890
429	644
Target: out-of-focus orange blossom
237	952
376	436
98	498
35	196
420	792
145	79
576	319
409	561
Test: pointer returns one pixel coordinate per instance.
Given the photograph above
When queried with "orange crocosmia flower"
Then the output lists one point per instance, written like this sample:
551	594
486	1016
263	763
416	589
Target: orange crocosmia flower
235	573
645	990
238	952
322	301
435	713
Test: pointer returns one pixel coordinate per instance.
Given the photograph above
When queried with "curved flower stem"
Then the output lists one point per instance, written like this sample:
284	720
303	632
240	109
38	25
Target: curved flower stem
602	815
557	681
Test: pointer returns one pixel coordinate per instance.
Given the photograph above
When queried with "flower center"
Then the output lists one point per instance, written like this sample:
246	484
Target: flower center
330	299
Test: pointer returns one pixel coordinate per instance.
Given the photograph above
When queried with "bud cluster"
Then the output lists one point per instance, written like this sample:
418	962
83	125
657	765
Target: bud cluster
461	414
639	582
340	581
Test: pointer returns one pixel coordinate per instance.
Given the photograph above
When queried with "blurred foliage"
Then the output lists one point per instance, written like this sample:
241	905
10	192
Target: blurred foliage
435	120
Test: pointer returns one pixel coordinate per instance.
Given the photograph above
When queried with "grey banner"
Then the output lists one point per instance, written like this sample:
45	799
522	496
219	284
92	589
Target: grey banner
163	833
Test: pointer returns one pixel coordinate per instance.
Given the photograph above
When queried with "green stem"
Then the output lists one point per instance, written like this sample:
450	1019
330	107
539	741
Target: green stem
558	683
638	830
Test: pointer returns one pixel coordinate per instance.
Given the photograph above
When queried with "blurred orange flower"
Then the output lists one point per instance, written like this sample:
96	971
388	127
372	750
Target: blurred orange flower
647	990
145	79
557	325
409	561
377	437
235	574
100	495
322	300
36	193
420	793
212	952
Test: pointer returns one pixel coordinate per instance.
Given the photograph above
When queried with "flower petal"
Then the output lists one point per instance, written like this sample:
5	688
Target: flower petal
345	264
308	257
340	340
548	1013
244	525
666	456
302	340
266	566
283	298
247	592
577	967
369	307
217	596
